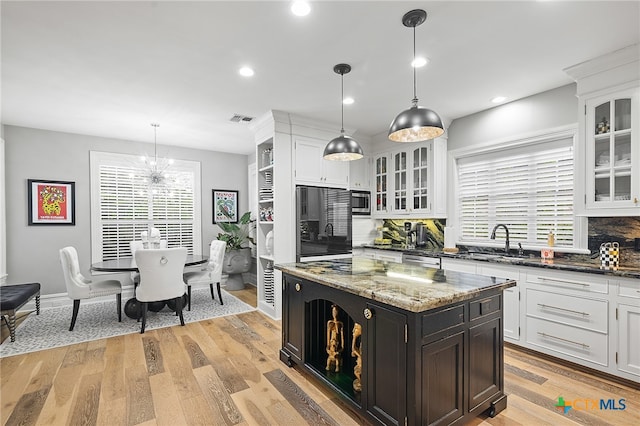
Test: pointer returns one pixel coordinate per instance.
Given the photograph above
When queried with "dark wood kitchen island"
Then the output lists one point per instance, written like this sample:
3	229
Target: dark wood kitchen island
401	344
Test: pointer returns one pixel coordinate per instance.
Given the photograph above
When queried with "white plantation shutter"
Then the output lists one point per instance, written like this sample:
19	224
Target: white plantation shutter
529	189
122	206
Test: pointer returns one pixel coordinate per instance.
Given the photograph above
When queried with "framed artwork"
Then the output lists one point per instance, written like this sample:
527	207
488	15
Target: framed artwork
225	206
51	202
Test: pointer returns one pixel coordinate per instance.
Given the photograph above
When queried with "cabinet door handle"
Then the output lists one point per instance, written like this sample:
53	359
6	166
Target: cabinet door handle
543	306
298	287
564	282
584	345
368	314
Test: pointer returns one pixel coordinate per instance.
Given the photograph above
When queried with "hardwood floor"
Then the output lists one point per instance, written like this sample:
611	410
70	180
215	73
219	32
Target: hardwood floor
226	371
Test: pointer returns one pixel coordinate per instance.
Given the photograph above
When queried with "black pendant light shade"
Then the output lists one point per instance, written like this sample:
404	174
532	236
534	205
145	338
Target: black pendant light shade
416	123
342	148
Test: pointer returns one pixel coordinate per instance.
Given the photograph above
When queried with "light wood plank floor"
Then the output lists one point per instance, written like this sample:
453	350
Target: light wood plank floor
226	371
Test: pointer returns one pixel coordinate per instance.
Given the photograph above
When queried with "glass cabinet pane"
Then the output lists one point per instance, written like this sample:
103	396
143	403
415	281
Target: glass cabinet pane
603	118
623	114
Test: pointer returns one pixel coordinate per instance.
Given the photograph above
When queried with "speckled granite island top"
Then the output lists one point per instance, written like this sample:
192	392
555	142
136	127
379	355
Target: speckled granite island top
409	287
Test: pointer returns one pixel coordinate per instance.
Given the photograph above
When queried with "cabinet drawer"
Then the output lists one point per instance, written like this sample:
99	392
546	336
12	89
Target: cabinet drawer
438	322
570	310
566	340
484	307
583	283
629	288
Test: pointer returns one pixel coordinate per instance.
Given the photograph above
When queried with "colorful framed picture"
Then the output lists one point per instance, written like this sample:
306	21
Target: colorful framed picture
51	202
225	206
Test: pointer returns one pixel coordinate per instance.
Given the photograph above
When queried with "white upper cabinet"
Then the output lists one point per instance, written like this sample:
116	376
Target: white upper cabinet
410	181
380	194
360	174
313	169
607	157
613	153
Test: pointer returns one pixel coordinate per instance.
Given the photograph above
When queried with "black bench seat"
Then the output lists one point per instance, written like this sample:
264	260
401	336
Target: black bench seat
12	298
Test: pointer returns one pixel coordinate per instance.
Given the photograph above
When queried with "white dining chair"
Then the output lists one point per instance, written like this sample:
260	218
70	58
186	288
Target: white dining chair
212	273
135	246
160	278
79	287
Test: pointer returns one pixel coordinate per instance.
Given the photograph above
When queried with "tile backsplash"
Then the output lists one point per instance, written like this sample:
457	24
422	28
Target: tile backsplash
397	234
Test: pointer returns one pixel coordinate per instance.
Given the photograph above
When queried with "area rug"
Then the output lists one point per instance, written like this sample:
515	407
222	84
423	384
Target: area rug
95	321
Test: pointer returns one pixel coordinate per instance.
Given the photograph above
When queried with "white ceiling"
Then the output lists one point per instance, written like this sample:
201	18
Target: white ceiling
112	68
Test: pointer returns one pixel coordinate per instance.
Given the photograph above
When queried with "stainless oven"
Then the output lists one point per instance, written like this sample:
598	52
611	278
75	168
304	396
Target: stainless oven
361	203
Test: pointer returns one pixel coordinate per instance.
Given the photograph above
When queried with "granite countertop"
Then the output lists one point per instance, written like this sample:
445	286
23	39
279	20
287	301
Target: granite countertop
409	287
568	262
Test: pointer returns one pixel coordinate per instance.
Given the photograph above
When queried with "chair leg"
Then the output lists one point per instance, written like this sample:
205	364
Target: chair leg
179	309
211	288
38	304
219	293
76	306
189	296
144	316
119	301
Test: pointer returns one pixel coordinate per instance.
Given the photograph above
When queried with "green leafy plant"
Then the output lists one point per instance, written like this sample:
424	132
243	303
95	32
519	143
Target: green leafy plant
237	235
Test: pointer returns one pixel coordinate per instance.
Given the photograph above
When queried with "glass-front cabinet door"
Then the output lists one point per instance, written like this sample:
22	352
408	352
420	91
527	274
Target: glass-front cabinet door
420	188
381	182
613	154
399	196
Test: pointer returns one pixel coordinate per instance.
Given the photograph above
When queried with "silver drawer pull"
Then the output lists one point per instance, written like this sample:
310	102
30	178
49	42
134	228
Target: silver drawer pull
564	282
543	306
584	345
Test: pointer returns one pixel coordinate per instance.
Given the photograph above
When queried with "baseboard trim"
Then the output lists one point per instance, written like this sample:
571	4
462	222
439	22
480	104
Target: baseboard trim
57	300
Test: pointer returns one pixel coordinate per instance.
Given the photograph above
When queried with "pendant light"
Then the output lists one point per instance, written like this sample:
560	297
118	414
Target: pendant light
342	148
416	123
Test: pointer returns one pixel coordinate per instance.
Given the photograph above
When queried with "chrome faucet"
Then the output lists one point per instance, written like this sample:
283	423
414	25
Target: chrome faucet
493	236
329	229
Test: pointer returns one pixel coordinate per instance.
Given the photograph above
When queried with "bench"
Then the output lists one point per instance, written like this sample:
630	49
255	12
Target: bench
12	298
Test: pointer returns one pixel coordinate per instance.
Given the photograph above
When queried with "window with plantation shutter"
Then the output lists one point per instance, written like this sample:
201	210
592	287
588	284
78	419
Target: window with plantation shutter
529	189
123	205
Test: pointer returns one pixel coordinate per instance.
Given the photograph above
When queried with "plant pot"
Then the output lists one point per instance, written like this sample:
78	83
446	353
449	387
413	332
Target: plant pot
235	263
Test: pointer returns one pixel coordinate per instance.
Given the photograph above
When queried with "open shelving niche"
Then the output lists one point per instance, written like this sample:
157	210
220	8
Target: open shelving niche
266	219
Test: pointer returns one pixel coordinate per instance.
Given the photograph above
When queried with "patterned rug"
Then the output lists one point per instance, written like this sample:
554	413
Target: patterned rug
95	321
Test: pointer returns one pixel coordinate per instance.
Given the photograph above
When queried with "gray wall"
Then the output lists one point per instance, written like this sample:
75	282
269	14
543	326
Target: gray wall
546	110
32	251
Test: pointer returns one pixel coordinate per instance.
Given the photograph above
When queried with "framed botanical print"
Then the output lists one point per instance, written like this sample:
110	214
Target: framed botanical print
225	206
51	202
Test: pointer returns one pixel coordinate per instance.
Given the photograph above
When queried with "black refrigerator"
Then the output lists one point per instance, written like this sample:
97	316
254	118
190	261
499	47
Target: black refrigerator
323	220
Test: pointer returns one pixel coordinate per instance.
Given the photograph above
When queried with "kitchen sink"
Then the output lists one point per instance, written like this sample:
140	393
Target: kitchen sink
493	256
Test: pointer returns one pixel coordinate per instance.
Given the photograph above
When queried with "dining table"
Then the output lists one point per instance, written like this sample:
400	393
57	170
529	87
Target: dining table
128	264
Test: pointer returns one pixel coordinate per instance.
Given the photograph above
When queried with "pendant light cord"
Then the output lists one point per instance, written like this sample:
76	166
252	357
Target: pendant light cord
342	103
413	65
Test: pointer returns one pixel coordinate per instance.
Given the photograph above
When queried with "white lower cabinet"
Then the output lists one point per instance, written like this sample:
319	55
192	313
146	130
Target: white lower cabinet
628	318
585	318
384	255
567	315
510	297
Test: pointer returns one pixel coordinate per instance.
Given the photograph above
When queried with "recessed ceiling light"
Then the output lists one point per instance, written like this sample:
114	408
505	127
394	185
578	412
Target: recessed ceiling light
348	101
246	72
419	61
300	8
498	99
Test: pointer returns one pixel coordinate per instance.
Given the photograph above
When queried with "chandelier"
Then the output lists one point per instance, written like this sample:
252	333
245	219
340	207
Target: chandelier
157	179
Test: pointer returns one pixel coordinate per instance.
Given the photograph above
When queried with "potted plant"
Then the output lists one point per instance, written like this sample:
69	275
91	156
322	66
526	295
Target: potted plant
237	258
